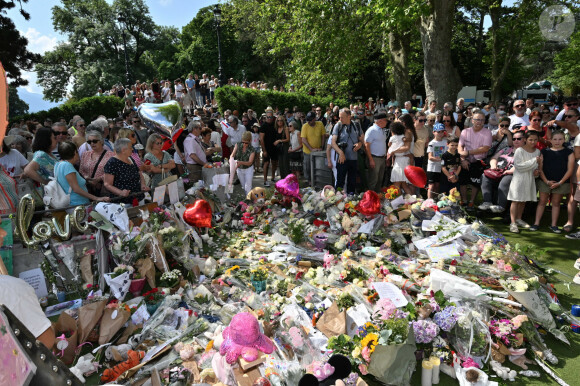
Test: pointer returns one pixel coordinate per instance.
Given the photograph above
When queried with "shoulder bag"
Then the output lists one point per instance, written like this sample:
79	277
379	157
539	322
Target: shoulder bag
54	194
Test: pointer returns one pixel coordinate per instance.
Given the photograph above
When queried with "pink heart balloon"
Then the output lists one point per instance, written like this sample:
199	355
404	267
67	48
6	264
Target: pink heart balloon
289	186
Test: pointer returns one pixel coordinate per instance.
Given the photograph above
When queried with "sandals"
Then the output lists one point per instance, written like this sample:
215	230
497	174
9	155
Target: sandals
567	228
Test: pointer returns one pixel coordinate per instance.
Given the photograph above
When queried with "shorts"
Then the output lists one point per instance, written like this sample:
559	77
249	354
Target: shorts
272	156
544	188
473	175
433	177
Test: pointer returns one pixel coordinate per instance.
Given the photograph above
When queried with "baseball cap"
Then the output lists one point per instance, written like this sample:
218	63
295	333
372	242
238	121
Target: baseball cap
438	127
310	116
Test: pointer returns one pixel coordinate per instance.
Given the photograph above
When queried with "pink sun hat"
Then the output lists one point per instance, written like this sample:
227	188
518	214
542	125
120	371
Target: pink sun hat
243	337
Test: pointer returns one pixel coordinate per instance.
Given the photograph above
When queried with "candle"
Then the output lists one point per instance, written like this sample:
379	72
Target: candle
427	373
436	362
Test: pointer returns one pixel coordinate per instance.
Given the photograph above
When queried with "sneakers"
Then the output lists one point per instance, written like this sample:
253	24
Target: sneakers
556	230
573	236
485	206
534	228
522	224
577	278
496	209
577	264
267	184
514	228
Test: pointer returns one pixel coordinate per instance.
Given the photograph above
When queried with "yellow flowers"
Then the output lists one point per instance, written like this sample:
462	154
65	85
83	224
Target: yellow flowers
230	270
209	346
370	341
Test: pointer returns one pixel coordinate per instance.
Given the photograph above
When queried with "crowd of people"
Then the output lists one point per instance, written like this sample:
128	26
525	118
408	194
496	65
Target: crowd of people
508	156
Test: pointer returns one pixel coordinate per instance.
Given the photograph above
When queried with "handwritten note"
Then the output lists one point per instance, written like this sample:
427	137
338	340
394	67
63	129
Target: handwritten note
159	194
392	292
36	279
173	192
442	252
141	315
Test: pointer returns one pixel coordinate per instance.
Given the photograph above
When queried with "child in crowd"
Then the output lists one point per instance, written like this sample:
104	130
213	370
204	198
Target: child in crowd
523	186
450	167
554	178
400	150
256	145
435	150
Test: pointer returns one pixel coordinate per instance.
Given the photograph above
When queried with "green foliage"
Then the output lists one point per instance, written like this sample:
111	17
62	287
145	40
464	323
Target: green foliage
238	98
94	56
16	106
567	72
13	51
88	108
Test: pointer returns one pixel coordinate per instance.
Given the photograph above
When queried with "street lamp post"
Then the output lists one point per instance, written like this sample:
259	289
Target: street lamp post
217	14
121	19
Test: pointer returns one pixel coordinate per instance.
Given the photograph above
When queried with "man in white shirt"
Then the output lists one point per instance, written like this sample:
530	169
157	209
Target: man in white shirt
195	158
520	118
571	102
234	130
376	145
179	89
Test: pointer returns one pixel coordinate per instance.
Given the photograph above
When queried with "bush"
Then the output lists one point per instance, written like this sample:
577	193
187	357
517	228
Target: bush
242	99
88	108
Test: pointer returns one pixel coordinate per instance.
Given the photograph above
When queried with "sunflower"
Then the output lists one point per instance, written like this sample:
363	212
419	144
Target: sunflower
370	340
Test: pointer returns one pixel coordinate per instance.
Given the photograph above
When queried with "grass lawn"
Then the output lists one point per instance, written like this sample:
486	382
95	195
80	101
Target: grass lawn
561	254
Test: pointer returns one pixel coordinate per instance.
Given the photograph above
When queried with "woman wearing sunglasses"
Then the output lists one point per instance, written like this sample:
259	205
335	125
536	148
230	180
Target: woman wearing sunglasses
545	132
160	162
93	162
451	128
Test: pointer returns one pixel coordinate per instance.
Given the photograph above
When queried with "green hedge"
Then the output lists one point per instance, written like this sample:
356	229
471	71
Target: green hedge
242	99
88	108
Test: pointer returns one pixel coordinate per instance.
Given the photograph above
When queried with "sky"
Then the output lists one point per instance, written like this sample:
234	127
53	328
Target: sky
42	37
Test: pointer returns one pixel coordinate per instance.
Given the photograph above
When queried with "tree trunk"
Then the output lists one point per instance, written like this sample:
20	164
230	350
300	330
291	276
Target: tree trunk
442	82
399	49
480	43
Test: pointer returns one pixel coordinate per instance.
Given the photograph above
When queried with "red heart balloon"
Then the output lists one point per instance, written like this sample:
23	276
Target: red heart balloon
416	176
370	203
198	214
289	186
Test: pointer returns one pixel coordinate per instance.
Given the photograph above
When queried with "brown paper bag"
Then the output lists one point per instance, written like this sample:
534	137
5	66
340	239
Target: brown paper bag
66	324
110	326
89	316
128	332
86	269
146	269
332	322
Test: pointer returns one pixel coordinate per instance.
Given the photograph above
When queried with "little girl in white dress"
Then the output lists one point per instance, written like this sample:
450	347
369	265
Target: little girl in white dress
399	150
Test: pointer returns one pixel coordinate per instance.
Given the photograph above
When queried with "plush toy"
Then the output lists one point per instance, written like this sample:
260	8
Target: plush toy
503	372
248	219
257	195
135	357
118	353
330	373
243	338
85	365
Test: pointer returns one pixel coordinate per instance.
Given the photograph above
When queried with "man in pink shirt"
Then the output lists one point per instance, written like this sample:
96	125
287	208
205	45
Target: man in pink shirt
474	143
195	158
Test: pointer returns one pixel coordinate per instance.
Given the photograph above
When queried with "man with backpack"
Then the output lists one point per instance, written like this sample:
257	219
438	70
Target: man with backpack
347	140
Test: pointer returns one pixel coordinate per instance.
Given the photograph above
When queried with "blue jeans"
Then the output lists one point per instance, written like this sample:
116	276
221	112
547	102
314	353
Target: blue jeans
347	170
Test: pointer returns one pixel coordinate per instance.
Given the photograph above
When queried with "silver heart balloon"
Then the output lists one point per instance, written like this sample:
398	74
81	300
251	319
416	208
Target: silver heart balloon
161	118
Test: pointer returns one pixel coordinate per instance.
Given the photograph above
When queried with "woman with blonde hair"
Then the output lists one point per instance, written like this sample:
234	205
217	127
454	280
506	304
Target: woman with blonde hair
160	162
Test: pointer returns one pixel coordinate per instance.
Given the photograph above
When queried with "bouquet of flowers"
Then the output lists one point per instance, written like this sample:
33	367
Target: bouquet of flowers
158	218
121	269
153	296
295	230
127	247
170	279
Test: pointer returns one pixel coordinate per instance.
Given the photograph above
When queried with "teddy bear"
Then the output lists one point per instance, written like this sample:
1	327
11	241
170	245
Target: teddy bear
85	365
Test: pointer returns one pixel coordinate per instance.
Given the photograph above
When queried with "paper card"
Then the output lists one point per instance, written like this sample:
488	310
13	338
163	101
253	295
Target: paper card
173	192
421	244
35	277
392	292
356	317
141	315
442	252
398	202
159	194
